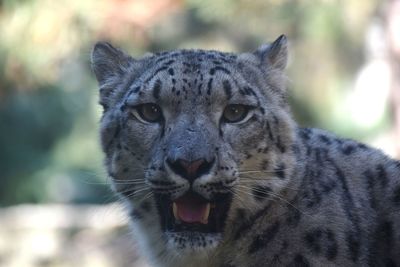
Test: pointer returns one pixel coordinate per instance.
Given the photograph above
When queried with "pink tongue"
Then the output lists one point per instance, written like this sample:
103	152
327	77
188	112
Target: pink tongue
190	210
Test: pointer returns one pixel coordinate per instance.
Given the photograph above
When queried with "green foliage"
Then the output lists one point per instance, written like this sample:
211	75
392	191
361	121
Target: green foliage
32	124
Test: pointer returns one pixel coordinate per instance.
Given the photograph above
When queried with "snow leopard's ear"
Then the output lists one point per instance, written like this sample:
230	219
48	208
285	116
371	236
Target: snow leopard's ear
109	62
274	55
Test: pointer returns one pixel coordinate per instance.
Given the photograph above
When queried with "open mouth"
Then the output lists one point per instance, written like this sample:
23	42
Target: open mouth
194	213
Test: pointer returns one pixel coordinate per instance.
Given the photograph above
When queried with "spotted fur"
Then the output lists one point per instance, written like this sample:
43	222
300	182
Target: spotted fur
301	196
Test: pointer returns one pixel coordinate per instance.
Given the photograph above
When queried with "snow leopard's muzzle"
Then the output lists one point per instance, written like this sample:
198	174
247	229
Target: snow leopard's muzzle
193	197
192	211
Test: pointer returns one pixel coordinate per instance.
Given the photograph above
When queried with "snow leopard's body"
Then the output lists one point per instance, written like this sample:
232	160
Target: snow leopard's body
215	129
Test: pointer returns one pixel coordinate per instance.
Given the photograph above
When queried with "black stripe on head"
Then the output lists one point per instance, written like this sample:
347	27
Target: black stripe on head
219	68
159	70
270	135
155	73
157	89
347	150
325	139
161	58
169	62
248	91
228	88
209	85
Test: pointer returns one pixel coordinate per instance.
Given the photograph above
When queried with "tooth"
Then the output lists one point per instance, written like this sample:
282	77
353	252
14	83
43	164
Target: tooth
206	214
175	210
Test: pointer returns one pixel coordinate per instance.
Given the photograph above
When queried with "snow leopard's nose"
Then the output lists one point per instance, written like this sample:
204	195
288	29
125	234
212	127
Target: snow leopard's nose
191	170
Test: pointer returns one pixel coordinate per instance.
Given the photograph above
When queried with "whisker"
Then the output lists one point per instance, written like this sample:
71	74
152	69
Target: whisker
148	195
273	199
137	191
98	183
245	172
139	178
246	181
119	183
131	182
271	193
110	197
134	190
113	197
252	178
264	171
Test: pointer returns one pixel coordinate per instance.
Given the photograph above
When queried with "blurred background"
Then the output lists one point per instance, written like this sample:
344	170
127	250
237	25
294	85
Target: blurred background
55	205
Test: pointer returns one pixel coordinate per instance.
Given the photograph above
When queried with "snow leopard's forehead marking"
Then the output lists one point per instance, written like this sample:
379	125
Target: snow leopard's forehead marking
206	79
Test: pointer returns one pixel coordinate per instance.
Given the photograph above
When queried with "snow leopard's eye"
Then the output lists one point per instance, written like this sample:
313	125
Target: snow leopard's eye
235	113
148	113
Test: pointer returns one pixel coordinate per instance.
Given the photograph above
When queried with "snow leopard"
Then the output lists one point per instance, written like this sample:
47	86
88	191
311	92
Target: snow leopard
202	149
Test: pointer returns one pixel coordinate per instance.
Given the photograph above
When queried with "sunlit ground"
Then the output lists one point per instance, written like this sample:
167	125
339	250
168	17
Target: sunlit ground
66	235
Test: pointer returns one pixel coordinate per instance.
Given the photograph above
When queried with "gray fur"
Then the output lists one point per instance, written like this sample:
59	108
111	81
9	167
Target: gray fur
302	197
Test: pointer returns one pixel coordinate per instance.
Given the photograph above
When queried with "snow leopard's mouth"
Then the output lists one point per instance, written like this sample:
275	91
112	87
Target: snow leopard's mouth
193	213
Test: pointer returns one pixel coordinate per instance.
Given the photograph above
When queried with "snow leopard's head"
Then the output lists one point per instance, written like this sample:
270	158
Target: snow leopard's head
194	140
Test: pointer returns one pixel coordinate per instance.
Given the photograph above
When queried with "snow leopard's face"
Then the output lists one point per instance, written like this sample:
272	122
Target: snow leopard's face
191	138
